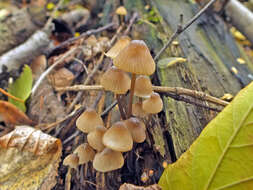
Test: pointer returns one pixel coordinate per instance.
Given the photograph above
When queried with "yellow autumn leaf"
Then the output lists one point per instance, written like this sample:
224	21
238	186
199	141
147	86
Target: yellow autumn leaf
222	156
29	159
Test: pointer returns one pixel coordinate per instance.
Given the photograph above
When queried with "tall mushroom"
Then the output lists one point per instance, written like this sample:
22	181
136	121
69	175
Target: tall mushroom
118	46
136	59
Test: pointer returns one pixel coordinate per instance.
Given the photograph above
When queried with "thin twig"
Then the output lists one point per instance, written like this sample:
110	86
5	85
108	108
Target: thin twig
88	79
131	22
162	89
188	100
83	35
108	109
181	29
50	69
192	93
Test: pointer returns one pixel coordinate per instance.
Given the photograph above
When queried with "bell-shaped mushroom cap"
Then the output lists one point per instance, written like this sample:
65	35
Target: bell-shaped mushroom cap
71	160
108	160
154	104
121	11
95	137
143	87
85	153
118	46
137	129
88	121
118	138
135	58
116	81
137	110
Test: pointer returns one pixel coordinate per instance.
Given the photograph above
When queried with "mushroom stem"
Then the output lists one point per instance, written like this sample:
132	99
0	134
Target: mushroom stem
131	95
122	113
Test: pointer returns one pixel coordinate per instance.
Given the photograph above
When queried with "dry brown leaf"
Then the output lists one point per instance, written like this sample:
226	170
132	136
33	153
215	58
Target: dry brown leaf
127	186
12	115
29	159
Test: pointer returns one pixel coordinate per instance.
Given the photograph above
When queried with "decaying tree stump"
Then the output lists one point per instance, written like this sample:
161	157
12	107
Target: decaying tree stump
211	53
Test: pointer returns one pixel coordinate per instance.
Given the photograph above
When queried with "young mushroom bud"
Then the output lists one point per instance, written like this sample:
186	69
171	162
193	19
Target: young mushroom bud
138	111
71	160
95	137
137	129
108	160
154	104
85	153
143	87
118	138
136	59
121	11
118	46
88	121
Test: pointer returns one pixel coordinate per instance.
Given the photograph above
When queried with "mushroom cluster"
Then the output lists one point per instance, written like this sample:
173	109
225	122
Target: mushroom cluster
106	145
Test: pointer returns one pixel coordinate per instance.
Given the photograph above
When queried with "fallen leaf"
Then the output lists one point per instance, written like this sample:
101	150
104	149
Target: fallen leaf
222	156
12	115
168	62
29	159
21	88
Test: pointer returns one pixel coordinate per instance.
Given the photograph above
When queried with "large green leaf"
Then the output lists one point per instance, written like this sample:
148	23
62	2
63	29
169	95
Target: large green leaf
222	156
21	88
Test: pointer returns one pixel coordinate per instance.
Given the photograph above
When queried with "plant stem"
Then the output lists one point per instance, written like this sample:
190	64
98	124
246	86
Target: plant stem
131	95
122	113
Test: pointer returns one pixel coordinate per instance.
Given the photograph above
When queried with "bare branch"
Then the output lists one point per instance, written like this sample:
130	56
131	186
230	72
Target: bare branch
181	28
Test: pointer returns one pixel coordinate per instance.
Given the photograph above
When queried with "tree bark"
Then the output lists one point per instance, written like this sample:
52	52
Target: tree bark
211	53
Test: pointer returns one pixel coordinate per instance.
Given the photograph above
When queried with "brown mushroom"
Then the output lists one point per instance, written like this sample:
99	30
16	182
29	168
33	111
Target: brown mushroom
89	120
85	153
118	82
95	137
136	59
137	129
108	160
154	104
71	160
118	46
137	110
143	87
121	11
118	138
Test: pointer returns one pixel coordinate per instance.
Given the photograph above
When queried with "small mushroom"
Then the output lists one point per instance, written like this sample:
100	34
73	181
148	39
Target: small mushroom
153	105
85	153
95	137
137	129
88	121
108	160
136	59
138	111
72	160
115	80
118	138
118	46
118	82
143	87
121	11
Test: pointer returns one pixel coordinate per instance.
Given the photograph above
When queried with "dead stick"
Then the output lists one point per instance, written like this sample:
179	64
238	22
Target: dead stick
181	29
88	79
163	89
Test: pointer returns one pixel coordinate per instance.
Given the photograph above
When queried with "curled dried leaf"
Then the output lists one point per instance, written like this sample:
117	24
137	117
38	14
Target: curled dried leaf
12	115
29	159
